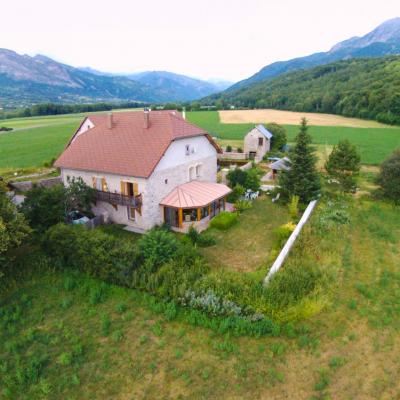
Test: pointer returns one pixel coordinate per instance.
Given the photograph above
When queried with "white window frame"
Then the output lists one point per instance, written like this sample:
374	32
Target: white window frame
130	217
199	168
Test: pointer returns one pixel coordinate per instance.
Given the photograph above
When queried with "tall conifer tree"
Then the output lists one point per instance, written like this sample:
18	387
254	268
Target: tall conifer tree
302	179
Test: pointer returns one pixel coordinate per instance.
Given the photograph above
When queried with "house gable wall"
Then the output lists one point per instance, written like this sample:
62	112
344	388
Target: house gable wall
86	125
251	144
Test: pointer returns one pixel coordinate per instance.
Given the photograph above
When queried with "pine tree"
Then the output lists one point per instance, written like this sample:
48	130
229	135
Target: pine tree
302	179
344	164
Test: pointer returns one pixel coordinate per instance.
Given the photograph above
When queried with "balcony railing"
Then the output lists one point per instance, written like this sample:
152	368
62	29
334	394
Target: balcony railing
120	199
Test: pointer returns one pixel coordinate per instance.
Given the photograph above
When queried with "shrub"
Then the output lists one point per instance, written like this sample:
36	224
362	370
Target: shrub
206	240
210	303
237	192
224	220
283	232
243	290
279	137
242	205
240	150
294	207
91	251
389	177
79	196
228	148
44	207
292	283
158	246
193	235
253	181
236	177
13	226
332	216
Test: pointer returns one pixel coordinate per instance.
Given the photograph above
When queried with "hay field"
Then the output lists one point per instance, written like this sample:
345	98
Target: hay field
293	118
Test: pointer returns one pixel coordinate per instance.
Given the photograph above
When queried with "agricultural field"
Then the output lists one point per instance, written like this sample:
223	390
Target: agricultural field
374	143
65	335
293	118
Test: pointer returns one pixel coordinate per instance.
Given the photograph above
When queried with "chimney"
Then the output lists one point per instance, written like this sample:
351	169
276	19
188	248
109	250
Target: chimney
110	120
146	118
184	112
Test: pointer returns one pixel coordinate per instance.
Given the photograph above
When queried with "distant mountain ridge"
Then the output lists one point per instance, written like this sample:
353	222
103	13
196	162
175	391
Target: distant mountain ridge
25	80
383	40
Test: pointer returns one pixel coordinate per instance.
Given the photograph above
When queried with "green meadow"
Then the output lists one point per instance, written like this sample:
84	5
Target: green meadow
374	144
37	140
66	336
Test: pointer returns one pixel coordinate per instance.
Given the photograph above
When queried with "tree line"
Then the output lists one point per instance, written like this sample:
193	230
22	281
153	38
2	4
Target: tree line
57	109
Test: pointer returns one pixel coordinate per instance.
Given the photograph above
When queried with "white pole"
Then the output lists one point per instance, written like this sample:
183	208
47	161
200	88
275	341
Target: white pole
290	242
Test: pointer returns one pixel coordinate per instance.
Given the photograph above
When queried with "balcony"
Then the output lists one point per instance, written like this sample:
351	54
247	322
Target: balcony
120	199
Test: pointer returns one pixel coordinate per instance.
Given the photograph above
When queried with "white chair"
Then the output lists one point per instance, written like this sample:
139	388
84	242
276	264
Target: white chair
276	198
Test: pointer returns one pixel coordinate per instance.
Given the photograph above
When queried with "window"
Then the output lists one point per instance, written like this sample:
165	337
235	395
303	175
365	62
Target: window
204	212
131	213
187	149
129	188
191	173
166	181
198	171
190	215
99	184
260	141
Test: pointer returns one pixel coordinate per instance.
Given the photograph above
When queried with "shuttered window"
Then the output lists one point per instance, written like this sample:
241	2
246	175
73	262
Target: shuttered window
99	184
129	188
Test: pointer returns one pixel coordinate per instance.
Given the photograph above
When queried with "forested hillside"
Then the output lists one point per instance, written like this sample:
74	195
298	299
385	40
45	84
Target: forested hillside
364	88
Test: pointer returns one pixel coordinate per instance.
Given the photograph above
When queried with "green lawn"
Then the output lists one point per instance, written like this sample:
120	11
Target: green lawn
374	144
65	336
247	245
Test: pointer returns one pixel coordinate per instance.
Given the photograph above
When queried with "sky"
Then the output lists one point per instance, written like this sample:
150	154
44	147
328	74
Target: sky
224	39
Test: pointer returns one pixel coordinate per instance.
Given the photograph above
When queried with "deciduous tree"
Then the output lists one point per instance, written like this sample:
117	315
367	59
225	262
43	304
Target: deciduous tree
389	177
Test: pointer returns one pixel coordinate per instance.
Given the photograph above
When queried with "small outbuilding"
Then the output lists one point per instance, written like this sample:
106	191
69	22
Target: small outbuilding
257	142
282	164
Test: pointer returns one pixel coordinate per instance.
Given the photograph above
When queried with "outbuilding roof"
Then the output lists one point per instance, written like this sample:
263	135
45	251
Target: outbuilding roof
261	128
195	194
131	146
281	164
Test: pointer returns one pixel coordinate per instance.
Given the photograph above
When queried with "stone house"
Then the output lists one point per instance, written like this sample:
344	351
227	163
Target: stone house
148	168
257	142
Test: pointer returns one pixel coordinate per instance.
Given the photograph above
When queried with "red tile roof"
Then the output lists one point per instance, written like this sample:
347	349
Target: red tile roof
195	194
128	148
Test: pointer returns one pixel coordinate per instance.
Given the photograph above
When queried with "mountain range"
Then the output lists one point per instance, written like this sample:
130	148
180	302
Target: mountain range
383	40
25	80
